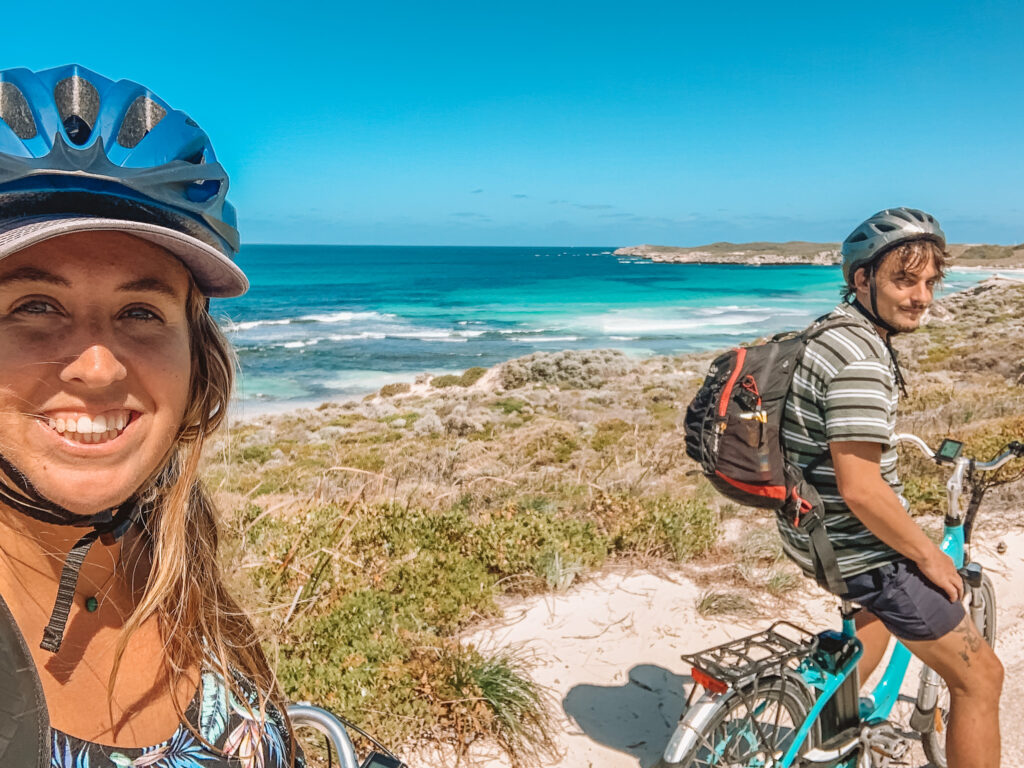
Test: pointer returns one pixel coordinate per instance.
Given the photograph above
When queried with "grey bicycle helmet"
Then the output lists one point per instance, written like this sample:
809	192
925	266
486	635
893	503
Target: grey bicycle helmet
884	230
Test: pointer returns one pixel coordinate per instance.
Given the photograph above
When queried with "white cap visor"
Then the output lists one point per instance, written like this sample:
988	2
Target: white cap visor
215	274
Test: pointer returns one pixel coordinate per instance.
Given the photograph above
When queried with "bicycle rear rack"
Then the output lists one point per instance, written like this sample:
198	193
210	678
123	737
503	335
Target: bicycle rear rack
738	662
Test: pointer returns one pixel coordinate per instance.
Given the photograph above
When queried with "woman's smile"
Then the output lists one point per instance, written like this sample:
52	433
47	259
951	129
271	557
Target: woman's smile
82	429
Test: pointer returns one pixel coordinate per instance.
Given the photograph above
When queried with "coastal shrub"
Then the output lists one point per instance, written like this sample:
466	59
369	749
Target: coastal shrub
520	541
466	379
472	375
558	572
519	709
258	453
717	603
758	544
398	388
461	422
555	444
344	420
608	433
509	405
678	529
428	424
570	369
447	380
783	579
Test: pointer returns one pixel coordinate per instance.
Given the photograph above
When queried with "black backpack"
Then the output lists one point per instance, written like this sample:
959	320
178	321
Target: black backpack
734	431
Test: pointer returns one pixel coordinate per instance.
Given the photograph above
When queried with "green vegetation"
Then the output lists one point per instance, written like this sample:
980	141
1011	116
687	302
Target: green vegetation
368	537
713	603
466	379
398	388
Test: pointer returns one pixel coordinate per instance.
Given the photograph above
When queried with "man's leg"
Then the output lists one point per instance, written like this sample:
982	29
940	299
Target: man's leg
874	636
974	677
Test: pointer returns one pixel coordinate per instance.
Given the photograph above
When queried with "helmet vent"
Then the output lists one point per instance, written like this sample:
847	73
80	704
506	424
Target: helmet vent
858	237
78	103
141	118
883	227
15	112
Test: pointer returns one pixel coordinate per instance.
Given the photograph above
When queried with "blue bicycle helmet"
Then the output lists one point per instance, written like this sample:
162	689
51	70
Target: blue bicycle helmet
79	151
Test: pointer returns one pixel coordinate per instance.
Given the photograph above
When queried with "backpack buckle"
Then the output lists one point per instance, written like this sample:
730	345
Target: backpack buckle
803	506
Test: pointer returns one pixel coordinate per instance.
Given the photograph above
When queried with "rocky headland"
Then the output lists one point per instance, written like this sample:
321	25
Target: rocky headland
799	252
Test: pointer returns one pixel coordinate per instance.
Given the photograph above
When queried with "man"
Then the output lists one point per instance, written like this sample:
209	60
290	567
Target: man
843	404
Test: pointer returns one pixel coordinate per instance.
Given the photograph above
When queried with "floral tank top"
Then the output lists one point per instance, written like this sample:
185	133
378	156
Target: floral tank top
241	740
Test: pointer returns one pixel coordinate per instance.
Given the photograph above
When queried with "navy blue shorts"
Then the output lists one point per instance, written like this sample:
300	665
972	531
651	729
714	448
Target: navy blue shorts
905	601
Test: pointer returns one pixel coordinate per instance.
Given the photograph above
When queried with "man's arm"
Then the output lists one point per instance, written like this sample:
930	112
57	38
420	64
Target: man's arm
869	497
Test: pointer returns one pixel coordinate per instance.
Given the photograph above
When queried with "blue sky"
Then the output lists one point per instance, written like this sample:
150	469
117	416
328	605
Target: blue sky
576	123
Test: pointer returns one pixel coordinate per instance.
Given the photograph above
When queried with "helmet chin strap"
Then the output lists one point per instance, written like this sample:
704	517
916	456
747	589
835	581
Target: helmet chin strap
875	318
110	525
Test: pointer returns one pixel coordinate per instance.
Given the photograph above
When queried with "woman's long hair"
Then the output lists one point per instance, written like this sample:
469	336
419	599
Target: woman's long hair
200	622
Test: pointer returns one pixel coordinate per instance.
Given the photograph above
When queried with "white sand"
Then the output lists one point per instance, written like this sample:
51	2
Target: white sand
608	651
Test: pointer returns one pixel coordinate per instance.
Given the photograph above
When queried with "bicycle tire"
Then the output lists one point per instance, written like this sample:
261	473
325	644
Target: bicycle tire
731	740
932	740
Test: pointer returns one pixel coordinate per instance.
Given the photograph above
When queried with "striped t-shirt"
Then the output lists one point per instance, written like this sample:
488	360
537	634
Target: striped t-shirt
844	389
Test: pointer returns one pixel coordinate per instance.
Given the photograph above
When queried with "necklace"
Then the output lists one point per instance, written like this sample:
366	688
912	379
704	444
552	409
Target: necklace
92	604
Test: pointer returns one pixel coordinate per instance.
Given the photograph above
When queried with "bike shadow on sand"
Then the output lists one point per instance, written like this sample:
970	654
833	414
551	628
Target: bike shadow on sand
636	718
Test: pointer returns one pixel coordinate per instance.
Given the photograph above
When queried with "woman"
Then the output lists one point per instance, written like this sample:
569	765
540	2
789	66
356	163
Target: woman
115	232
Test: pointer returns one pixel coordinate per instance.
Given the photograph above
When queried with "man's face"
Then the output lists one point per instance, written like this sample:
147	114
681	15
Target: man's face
902	294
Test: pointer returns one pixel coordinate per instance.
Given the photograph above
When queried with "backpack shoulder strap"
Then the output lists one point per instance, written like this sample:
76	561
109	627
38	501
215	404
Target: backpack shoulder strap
827	323
24	719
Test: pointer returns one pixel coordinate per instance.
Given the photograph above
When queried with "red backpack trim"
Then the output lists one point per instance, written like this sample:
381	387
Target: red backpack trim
723	404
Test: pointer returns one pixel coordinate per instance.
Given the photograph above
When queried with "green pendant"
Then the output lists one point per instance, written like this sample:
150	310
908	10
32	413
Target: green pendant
91	604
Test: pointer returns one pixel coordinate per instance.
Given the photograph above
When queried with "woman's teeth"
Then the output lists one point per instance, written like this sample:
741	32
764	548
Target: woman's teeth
96	429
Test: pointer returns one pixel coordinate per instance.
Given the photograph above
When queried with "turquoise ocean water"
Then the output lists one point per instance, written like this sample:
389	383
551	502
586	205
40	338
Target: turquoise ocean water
323	322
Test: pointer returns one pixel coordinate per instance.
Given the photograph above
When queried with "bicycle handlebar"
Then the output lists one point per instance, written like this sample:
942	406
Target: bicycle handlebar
306	715
1013	449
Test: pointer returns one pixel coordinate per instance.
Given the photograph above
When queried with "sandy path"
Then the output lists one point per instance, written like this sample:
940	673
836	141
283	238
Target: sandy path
609	649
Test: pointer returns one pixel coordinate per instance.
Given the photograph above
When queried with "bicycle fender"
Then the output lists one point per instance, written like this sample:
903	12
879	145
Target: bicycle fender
688	731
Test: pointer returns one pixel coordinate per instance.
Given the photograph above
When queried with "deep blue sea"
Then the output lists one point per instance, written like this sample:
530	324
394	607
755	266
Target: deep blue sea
323	322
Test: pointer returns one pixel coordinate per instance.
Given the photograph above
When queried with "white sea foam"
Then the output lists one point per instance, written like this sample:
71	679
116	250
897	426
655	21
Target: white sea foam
614	324
539	339
248	325
334	318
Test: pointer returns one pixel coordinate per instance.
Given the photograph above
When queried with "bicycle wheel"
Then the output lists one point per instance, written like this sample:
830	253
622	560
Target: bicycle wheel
934	739
752	727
